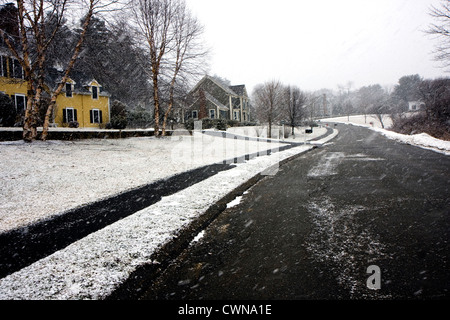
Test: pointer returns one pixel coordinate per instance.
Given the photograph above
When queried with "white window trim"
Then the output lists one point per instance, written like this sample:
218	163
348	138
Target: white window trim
13	69
67	115
24	100
93	115
212	113
3	73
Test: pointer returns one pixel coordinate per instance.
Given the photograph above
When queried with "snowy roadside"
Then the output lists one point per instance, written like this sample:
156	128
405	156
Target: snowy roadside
421	140
93	267
44	179
261	132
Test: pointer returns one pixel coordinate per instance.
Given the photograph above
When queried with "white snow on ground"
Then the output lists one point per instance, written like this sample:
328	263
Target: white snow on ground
422	140
364	120
42	179
94	266
277	133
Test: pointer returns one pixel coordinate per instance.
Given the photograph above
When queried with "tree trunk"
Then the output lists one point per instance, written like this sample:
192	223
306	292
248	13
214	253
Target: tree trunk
30	121
169	108
72	61
269	130
156	103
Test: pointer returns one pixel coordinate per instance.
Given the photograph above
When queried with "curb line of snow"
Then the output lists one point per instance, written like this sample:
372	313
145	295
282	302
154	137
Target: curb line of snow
421	140
97	265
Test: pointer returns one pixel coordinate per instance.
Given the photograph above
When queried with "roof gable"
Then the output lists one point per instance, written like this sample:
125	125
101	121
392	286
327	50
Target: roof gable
217	83
80	82
240	90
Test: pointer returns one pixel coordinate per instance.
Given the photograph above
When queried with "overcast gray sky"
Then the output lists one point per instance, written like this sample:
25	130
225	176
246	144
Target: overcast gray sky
318	44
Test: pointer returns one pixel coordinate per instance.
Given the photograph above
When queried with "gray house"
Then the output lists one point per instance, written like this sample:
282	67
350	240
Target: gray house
211	98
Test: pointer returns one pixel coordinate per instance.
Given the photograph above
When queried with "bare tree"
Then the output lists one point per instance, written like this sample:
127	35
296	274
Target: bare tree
186	49
345	98
295	106
370	96
30	20
36	34
153	19
441	29
268	102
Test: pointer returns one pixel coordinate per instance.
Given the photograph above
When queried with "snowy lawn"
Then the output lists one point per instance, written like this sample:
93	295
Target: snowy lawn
42	179
422	140
364	120
261	132
94	266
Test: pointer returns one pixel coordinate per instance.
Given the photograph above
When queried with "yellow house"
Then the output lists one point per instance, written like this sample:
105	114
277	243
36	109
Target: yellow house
11	81
81	103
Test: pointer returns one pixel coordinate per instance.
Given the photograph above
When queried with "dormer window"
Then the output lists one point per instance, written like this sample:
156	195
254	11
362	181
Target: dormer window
17	71
94	92
69	90
3	68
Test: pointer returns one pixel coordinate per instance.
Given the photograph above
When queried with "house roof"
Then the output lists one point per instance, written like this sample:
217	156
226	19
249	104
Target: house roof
213	100
80	81
225	88
239	90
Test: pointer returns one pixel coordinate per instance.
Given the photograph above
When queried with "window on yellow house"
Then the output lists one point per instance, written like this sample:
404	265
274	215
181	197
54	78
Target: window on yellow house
20	101
94	92
15	69
96	116
18	70
69	90
69	115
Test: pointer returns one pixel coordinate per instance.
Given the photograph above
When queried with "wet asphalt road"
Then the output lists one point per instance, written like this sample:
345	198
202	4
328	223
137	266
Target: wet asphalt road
312	230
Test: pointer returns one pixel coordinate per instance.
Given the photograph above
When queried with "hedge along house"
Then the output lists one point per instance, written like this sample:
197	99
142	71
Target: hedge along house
211	98
81	103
